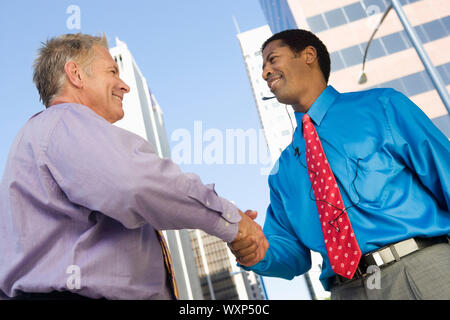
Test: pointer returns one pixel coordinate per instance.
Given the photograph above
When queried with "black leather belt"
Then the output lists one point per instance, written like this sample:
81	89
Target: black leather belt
390	254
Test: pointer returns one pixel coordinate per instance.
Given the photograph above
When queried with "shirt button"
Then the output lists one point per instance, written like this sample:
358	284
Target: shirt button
207	202
226	224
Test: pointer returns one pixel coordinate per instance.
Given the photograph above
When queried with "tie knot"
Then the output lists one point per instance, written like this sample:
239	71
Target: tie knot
306	119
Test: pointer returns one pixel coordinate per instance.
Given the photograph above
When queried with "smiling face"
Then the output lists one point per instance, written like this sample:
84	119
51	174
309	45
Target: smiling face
291	76
103	90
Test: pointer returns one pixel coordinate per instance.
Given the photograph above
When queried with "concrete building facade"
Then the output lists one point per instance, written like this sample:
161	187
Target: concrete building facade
345	27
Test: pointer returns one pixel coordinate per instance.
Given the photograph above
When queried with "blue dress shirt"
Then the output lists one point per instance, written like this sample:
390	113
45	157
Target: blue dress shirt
392	167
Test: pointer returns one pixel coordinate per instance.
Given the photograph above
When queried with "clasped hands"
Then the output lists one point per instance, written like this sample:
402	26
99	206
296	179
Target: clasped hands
250	244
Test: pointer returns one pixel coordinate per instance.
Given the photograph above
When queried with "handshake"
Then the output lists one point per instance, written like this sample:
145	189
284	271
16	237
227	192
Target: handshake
250	244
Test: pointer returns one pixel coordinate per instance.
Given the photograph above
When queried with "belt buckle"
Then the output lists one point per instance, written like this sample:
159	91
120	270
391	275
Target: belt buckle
359	274
377	258
372	258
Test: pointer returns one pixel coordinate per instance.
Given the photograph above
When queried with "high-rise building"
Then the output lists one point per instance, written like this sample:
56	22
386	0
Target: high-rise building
345	26
277	120
144	117
278	123
220	278
203	264
278	15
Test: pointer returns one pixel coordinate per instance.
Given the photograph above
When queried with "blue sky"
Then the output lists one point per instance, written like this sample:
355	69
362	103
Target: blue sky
189	53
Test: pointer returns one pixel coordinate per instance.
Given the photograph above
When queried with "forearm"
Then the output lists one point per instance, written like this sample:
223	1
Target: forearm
120	175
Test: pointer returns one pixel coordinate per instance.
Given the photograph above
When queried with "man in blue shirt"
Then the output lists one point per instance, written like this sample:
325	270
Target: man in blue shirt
391	166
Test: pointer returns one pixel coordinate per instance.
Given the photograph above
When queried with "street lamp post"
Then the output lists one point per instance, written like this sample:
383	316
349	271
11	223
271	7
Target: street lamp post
431	70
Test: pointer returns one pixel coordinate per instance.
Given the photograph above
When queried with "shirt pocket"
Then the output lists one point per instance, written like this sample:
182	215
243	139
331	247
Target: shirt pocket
369	178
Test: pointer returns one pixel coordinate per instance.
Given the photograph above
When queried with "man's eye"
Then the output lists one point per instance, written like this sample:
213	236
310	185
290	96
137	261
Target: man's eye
272	59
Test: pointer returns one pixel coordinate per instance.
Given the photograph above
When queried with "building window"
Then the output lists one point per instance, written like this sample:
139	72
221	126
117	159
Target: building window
394	43
335	18
352	55
434	30
446	23
376	49
316	23
336	61
355	11
416	83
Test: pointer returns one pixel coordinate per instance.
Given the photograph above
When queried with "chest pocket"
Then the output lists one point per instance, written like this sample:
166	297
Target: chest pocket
369	178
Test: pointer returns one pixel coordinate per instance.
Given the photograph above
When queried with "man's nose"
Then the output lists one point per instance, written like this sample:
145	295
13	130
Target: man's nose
267	72
124	87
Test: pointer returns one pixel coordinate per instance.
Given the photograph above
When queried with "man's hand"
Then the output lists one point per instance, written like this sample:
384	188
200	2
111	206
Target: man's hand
250	245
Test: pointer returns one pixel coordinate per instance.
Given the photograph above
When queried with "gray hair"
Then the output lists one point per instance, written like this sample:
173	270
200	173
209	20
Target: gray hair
49	75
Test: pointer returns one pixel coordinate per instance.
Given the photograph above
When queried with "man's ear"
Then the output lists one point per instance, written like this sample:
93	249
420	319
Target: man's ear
310	54
74	74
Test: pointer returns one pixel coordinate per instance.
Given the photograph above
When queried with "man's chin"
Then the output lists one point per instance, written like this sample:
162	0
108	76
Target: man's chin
118	116
281	99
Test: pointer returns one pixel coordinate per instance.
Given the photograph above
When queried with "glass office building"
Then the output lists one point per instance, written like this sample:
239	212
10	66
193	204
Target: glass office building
278	15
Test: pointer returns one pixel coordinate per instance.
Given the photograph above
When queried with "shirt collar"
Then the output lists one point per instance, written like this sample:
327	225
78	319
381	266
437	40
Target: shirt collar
320	107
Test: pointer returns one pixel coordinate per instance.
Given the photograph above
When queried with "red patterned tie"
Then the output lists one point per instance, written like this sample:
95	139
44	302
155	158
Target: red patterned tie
343	250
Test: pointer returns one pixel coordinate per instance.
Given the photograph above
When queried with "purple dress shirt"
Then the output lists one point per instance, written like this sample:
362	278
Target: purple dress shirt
80	200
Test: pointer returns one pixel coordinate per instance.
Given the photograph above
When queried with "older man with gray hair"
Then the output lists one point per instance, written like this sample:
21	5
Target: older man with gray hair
81	195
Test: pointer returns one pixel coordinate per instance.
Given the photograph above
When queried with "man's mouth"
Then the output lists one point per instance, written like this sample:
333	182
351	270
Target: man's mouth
272	81
118	97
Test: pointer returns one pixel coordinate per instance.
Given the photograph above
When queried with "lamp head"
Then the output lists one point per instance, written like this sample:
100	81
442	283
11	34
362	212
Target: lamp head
362	78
